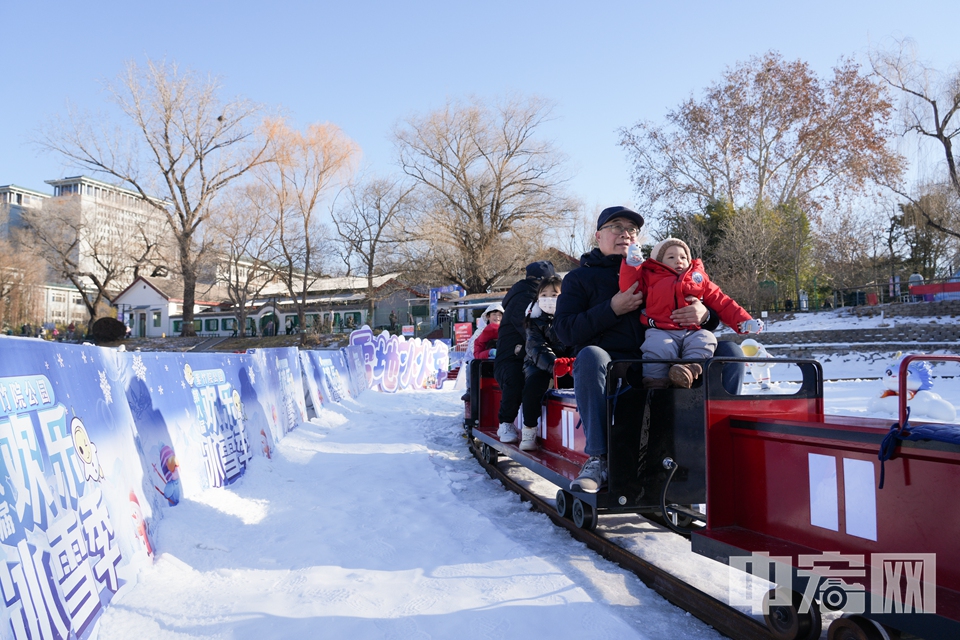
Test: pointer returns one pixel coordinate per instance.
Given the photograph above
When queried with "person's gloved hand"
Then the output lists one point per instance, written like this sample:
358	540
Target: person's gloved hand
562	366
634	255
493	353
751	326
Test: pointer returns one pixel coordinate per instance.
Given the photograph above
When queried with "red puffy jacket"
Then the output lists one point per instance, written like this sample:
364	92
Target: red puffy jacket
664	290
485	341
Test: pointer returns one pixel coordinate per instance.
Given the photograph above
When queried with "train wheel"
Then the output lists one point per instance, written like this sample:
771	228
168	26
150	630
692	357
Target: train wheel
785	622
564	506
488	453
584	516
855	628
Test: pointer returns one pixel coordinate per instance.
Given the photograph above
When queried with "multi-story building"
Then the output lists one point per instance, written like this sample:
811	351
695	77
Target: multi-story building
63	305
113	226
13	201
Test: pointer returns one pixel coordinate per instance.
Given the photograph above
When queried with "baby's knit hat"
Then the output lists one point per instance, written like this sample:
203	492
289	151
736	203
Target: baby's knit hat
661	248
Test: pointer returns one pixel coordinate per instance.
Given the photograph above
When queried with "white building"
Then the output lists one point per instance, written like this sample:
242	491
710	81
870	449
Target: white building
13	200
64	305
153	307
112	223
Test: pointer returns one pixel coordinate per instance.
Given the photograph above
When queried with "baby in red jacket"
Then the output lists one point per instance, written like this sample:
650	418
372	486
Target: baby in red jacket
666	278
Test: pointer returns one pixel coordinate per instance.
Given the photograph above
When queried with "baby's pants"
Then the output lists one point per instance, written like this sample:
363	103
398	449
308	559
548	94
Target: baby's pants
669	344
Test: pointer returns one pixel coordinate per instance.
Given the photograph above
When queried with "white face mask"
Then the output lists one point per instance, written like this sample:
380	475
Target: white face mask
548	304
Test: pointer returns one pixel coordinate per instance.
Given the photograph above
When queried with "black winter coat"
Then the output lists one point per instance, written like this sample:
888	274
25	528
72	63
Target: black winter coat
543	346
584	316
513	334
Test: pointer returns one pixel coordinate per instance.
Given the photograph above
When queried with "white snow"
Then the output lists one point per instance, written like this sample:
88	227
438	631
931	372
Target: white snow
374	521
845	318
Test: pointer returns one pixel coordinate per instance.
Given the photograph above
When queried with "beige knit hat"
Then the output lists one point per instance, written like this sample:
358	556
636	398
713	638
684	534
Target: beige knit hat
661	248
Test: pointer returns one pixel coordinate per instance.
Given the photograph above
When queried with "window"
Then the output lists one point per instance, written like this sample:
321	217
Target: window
77	300
177	326
212	324
156	318
228	323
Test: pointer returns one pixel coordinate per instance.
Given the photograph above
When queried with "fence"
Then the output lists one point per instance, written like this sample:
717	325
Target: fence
873	293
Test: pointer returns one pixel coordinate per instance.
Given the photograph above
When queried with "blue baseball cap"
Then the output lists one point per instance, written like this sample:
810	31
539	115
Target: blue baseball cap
610	213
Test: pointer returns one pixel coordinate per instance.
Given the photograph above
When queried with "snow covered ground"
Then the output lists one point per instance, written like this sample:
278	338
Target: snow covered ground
374	521
845	318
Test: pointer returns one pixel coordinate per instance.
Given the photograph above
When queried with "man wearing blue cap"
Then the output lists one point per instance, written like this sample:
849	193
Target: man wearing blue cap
603	324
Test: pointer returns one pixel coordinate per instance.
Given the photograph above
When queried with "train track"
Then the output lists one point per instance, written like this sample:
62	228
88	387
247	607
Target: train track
713	612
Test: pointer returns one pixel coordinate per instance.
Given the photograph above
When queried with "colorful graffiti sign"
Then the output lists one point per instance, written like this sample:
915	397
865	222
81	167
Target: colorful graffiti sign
393	362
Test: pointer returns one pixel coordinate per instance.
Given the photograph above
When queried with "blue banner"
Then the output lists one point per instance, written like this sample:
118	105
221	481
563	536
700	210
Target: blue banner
358	373
73	524
280	369
201	417
96	444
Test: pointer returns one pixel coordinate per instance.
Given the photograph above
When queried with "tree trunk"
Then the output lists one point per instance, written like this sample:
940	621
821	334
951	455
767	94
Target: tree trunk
188	267
371	303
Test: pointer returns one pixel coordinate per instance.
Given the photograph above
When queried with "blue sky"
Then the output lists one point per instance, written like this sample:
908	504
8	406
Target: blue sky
366	65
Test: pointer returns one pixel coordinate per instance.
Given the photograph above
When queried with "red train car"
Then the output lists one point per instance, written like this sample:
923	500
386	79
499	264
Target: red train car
797	500
791	494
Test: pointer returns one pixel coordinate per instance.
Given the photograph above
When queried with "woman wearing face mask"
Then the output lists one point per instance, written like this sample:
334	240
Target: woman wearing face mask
542	349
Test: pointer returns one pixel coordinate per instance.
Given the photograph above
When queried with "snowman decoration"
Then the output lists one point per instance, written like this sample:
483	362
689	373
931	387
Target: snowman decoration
759	370
921	400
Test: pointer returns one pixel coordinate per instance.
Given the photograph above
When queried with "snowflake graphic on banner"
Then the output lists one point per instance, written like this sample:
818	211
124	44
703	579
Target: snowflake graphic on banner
105	387
60	360
139	368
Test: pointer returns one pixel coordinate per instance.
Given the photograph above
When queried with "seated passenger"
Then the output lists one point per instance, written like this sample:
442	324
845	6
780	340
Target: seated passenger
666	279
508	369
603	323
543	347
482	322
485	345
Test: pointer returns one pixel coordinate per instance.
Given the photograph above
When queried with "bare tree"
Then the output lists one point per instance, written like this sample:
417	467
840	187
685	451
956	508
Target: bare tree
769	133
749	254
245	232
842	247
930	100
305	167
369	230
91	256
576	234
21	286
487	180
928	249
177	140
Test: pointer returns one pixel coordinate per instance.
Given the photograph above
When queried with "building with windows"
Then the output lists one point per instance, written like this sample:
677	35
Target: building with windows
153	307
114	227
63	305
13	201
